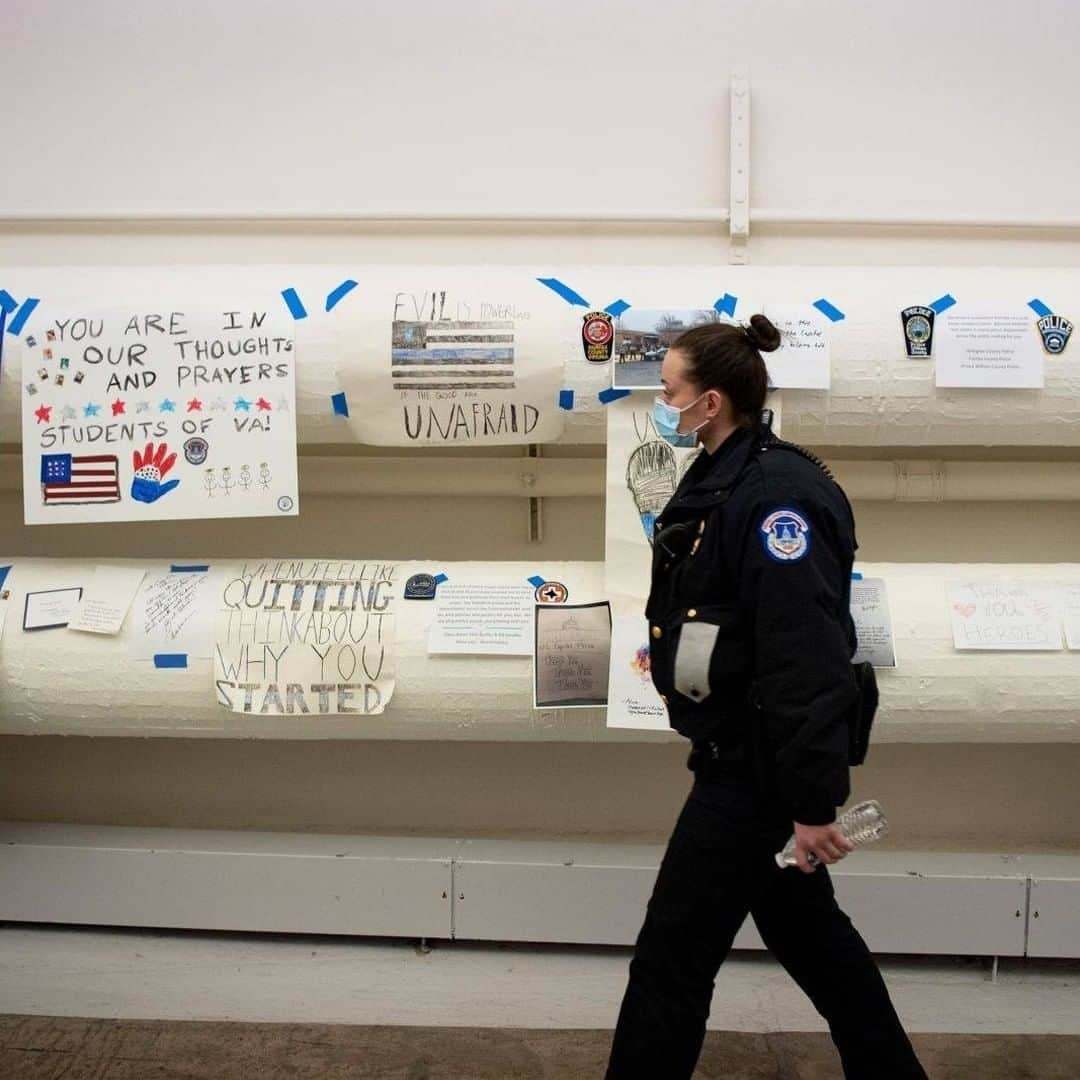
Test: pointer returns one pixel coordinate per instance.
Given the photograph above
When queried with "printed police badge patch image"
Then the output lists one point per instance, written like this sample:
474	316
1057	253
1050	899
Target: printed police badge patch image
918	323
552	592
1054	331
420	587
785	535
598	336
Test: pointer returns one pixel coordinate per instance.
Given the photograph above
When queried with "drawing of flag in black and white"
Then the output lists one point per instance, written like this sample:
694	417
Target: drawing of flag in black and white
90	478
449	355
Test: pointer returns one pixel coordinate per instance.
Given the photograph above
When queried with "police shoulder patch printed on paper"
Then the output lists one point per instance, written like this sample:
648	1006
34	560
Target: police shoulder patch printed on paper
785	535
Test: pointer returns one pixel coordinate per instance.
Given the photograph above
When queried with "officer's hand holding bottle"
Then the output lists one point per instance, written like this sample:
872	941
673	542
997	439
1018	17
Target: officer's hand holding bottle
816	844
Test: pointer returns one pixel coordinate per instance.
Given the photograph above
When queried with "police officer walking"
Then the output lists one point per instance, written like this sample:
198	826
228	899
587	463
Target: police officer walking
751	646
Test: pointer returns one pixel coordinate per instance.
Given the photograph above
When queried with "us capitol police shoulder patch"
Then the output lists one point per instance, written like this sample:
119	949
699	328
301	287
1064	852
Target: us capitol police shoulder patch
785	535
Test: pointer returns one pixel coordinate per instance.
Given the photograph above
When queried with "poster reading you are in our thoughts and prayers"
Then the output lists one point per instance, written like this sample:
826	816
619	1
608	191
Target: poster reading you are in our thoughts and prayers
142	416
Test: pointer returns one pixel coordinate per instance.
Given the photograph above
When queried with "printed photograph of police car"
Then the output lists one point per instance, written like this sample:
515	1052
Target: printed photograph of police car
642	339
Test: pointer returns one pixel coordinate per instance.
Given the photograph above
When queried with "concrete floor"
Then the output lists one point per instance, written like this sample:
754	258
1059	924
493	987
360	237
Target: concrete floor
51	1048
127	1004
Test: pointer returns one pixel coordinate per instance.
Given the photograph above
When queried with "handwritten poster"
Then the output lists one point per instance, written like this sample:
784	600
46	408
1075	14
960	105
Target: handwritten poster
573	650
803	360
306	637
456	359
174	613
642	474
873	624
1005	615
143	416
633	701
987	347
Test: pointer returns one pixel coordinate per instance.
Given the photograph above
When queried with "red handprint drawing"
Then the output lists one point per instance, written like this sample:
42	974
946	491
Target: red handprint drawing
150	467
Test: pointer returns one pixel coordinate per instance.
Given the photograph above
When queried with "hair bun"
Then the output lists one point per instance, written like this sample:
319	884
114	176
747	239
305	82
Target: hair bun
762	334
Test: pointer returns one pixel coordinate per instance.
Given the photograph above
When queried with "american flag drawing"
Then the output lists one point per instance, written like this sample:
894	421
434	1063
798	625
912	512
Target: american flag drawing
89	478
450	355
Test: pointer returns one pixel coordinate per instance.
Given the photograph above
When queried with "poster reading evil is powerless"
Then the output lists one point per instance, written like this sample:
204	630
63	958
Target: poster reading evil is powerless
131	415
456	359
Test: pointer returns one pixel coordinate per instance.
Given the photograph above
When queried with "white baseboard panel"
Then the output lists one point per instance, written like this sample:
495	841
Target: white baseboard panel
910	902
218	880
497	890
1054	910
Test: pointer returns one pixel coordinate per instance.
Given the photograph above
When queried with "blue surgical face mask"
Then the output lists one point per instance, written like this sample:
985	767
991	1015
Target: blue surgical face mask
666	418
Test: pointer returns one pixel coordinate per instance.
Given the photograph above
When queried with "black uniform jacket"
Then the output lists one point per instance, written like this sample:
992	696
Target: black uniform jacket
751	635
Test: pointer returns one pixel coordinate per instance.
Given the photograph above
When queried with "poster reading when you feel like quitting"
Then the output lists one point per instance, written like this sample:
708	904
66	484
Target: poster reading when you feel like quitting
131	415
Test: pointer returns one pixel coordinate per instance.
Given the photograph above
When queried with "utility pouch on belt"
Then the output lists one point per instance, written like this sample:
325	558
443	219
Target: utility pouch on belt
861	716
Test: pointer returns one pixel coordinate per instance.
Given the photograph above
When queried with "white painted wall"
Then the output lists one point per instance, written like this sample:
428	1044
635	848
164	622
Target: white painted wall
253	108
262	105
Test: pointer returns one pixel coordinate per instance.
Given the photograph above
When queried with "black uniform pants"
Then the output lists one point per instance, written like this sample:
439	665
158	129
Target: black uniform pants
718	867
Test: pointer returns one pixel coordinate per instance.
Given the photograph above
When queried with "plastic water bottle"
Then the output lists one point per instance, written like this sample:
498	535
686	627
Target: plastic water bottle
862	824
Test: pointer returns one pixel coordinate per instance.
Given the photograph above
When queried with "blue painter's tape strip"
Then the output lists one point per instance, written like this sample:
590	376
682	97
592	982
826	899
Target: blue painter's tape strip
568	294
18	320
536	581
294	303
606	397
195	568
8	302
170	660
726	304
832	313
1039	308
341	405
942	303
856	576
616	308
339	293
440	578
566	399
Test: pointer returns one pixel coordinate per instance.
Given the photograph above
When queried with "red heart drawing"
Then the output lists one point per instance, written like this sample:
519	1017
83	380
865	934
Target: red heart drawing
966	610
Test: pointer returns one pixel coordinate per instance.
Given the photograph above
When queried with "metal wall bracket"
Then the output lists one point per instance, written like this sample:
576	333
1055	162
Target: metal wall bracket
536	507
739	202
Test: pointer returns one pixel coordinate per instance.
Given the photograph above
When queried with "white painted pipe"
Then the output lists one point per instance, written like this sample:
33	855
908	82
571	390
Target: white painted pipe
945	219
555	215
879	396
435	215
64	682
